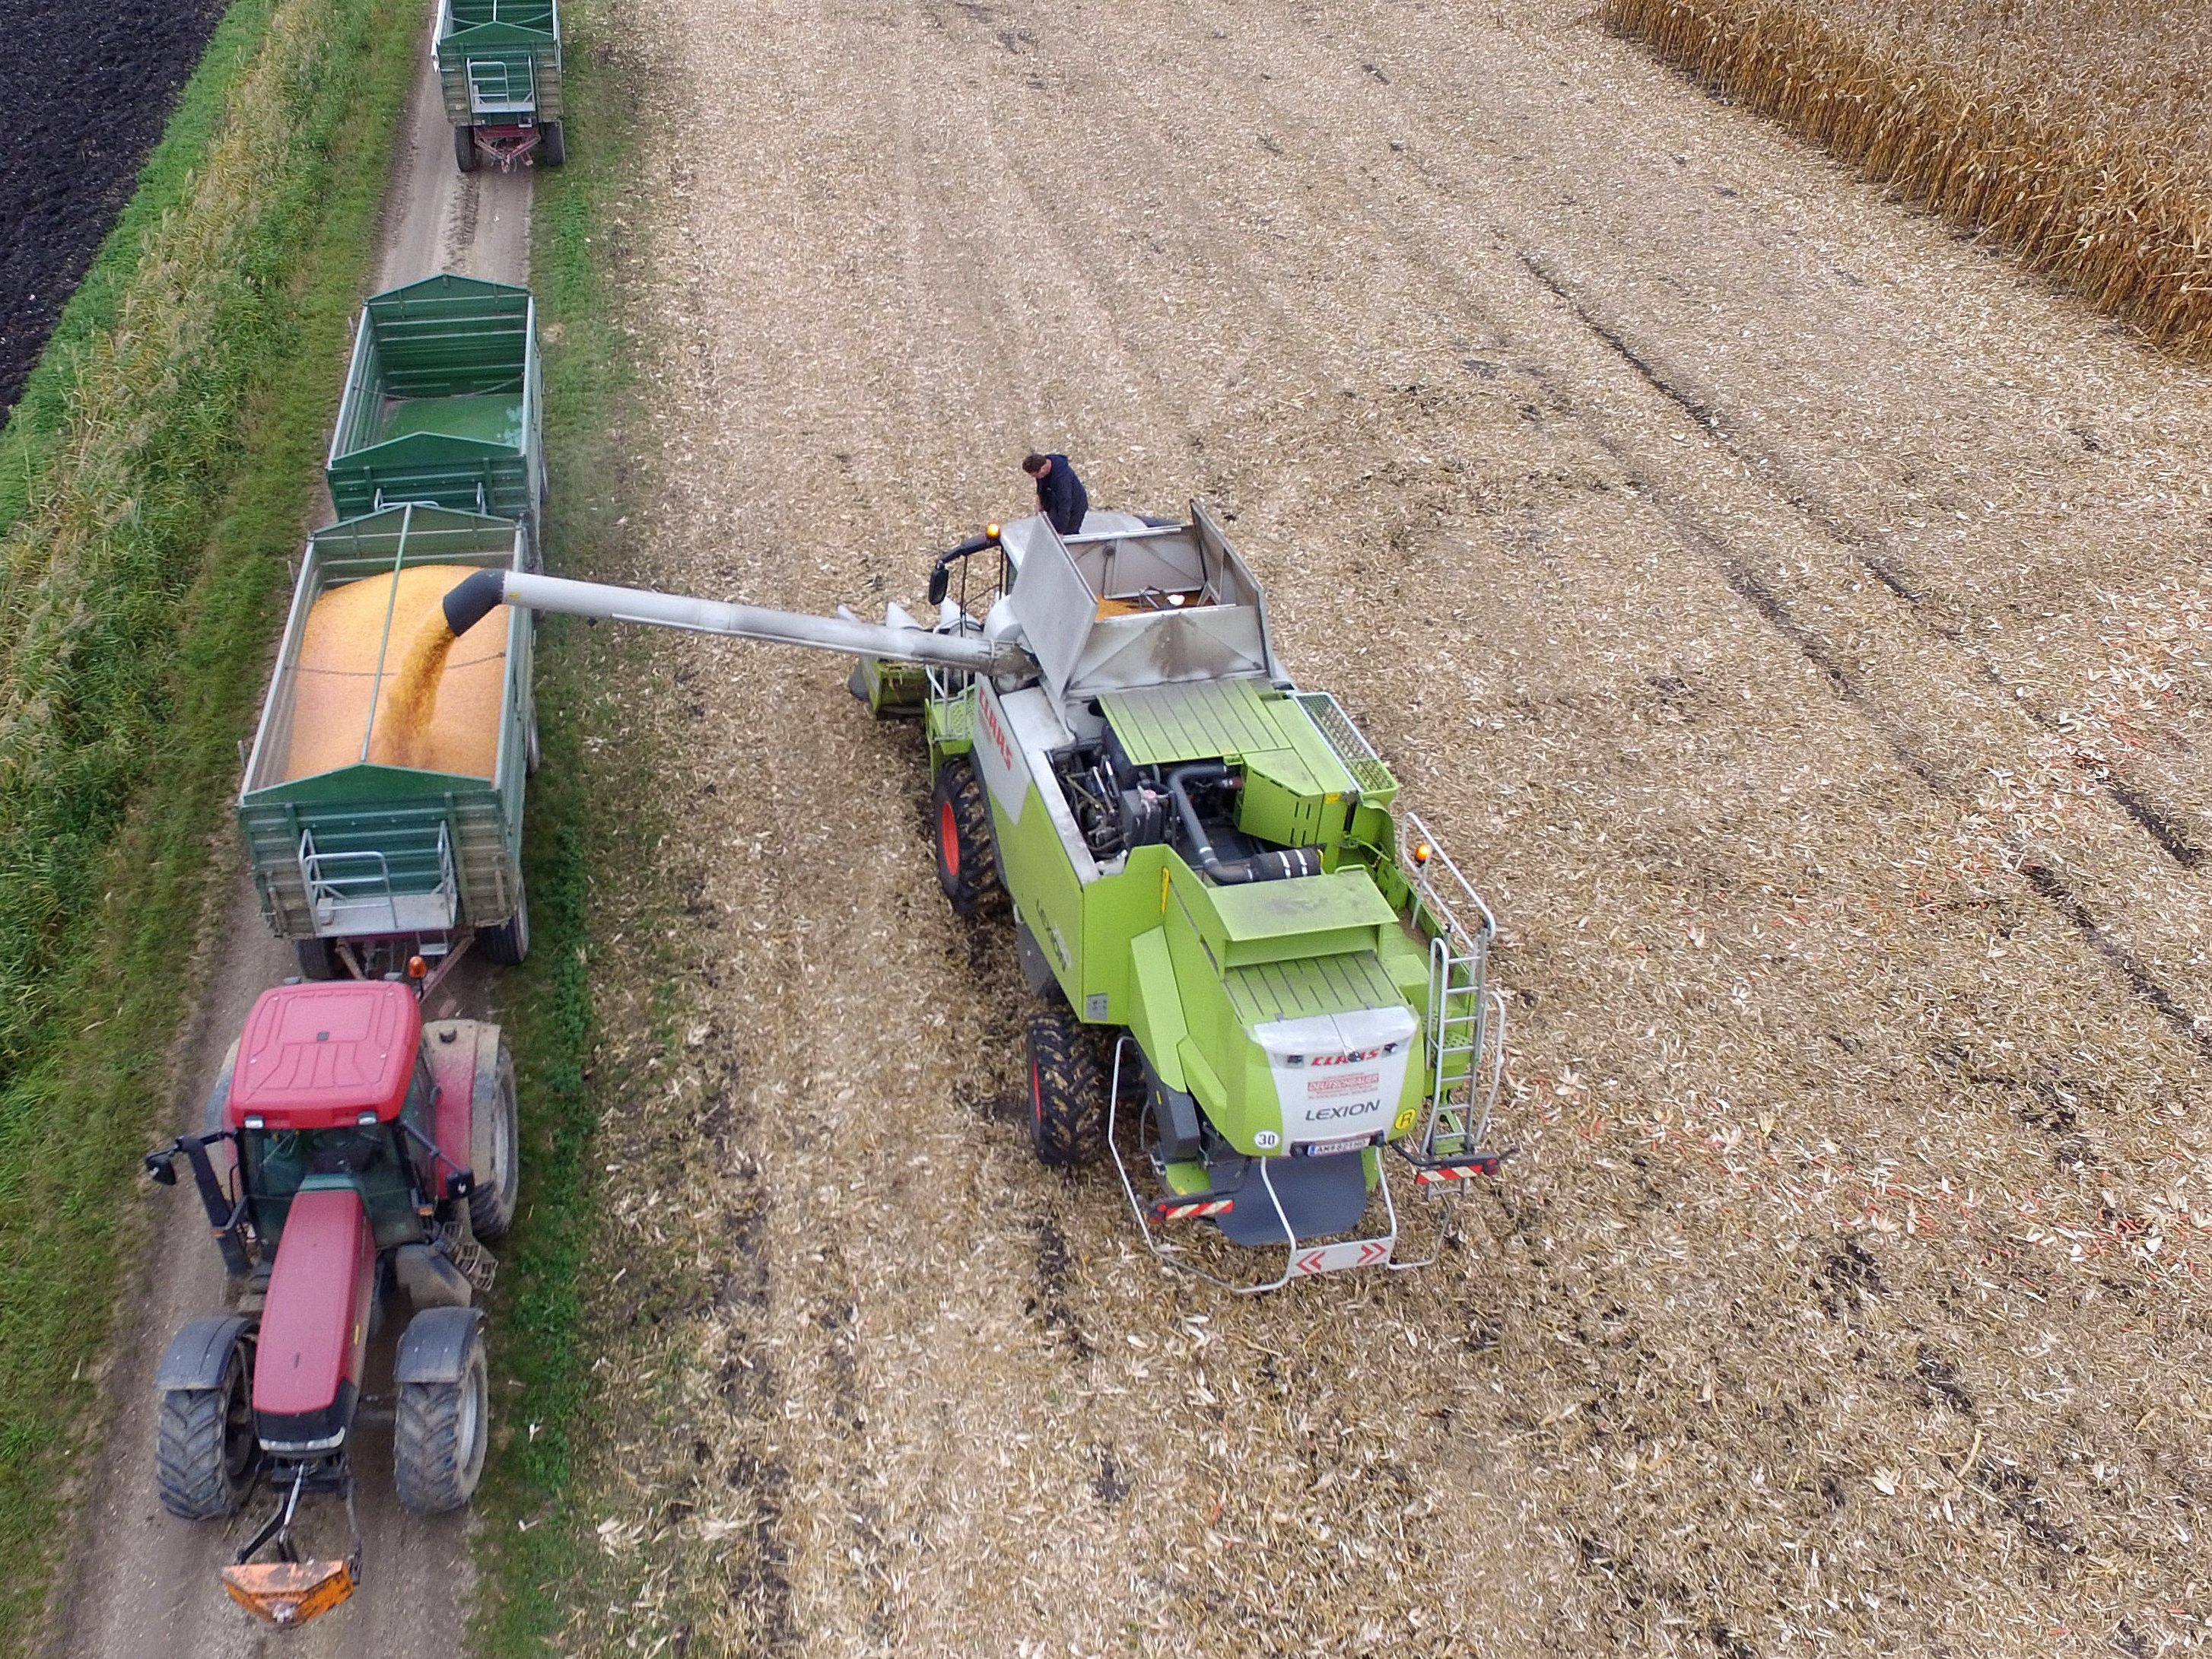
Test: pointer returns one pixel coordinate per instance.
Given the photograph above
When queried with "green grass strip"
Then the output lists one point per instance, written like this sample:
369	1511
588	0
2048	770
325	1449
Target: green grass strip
143	583
536	1555
33	427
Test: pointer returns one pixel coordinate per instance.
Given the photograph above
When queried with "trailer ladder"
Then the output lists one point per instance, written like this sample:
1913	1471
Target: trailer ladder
352	893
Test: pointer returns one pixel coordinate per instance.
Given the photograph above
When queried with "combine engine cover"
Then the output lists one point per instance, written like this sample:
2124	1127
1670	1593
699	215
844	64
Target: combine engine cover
1338	1077
314	1329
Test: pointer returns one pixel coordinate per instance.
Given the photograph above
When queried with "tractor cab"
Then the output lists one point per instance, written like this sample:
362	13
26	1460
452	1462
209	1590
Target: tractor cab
330	1092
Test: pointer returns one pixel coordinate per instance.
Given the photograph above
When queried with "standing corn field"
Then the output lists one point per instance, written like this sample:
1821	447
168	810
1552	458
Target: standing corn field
2074	132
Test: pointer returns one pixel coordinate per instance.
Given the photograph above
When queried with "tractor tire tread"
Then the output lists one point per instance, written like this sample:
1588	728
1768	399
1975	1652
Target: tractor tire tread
970	875
430	1466
188	1456
492	1204
1067	1091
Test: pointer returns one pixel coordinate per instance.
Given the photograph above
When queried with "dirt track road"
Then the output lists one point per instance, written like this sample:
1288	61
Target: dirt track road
1793	617
139	1582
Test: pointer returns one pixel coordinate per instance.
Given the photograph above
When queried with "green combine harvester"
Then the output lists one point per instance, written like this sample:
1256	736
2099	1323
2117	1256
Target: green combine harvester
1263	986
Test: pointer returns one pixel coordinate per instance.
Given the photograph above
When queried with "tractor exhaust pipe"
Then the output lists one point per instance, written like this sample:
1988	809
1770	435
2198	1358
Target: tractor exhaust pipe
468	604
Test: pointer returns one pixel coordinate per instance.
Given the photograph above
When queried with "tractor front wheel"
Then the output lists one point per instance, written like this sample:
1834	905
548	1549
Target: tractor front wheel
205	1447
319	958
438	1439
493	1156
967	858
1067	1094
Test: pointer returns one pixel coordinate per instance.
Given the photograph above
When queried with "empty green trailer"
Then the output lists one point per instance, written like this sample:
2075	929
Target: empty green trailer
499	70
442	404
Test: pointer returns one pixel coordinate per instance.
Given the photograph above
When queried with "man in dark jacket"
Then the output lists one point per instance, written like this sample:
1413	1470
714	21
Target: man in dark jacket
1060	495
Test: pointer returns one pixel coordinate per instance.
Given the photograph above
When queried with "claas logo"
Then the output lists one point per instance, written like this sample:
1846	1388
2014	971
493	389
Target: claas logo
1358	1058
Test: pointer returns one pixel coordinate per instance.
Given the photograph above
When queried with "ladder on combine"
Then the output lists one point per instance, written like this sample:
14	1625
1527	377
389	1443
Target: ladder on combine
1466	1019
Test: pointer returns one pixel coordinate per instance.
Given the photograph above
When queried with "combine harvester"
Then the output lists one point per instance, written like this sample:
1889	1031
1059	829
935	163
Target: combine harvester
1206	865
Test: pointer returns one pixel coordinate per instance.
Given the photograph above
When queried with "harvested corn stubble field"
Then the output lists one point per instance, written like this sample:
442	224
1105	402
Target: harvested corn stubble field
2077	133
1793	619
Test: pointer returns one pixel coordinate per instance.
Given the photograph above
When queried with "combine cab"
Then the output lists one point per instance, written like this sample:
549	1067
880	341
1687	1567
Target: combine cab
352	1151
1262	982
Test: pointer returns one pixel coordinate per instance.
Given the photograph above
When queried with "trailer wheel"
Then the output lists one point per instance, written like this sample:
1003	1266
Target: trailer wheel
1067	1094
556	146
533	752
319	958
495	1155
438	1437
967	858
464	149
204	1447
507	943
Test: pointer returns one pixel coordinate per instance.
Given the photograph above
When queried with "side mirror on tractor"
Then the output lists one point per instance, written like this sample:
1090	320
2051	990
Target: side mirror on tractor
461	1183
162	1166
940	583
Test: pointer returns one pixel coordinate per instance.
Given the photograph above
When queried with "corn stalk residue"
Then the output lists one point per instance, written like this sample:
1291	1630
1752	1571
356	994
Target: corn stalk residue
2058	129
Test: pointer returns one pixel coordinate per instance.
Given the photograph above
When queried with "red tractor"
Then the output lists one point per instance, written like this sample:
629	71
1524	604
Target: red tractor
351	1149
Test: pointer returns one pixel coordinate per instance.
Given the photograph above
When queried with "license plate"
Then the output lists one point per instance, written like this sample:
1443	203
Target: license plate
1329	1148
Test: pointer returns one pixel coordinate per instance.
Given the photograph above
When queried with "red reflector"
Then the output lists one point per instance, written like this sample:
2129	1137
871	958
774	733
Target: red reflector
1170	1210
1457	1172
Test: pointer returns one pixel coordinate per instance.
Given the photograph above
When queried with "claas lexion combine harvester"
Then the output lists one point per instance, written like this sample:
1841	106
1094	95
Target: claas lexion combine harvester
1242	947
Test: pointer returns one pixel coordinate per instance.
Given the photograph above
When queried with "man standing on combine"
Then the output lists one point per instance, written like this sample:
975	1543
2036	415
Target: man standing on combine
1060	495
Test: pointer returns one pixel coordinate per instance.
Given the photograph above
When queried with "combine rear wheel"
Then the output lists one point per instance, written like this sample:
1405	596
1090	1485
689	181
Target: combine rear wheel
1067	1092
967	858
204	1447
438	1441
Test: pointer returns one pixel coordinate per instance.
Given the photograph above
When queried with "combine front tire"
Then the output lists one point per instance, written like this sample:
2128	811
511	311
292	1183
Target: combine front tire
1067	1094
493	1156
464	149
204	1447
438	1438
967	858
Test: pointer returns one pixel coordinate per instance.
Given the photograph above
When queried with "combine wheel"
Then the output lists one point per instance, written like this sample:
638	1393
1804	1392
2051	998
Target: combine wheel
464	149
967	858
438	1439
509	943
494	1157
1067	1094
556	146
205	1447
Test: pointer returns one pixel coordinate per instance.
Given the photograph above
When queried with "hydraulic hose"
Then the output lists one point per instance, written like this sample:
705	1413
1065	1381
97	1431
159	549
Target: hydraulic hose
1260	866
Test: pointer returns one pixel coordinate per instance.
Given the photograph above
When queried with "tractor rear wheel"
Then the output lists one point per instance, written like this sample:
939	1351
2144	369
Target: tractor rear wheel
205	1446
493	1156
464	149
967	858
507	943
1067	1093
438	1438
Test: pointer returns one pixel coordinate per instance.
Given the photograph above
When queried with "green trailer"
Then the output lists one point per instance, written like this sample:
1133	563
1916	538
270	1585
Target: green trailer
498	70
443	404
376	831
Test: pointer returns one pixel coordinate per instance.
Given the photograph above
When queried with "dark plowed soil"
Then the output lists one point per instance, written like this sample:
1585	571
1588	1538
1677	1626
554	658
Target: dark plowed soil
88	91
